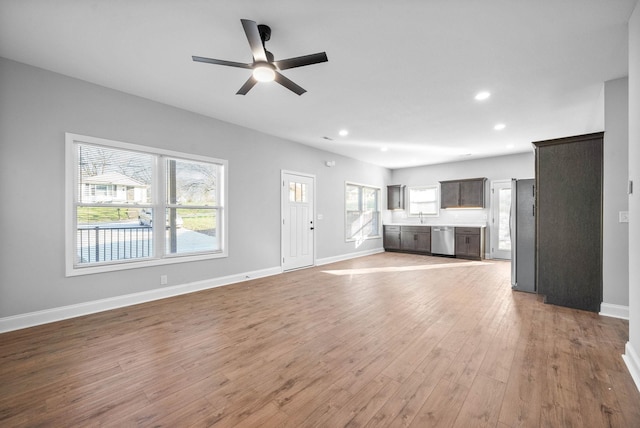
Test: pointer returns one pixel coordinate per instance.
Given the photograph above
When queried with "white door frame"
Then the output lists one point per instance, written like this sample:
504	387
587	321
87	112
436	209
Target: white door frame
283	202
494	230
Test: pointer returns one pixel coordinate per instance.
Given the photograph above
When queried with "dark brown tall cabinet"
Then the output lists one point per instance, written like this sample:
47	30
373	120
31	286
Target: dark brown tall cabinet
569	221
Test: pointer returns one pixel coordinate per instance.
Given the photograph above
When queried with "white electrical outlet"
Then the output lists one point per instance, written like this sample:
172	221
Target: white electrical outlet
163	279
623	216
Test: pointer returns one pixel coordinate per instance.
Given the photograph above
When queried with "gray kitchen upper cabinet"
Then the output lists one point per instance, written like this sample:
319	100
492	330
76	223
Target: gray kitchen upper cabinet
468	193
449	194
568	212
395	197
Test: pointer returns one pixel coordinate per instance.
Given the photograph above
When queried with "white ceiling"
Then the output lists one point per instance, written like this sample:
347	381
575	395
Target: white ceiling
401	75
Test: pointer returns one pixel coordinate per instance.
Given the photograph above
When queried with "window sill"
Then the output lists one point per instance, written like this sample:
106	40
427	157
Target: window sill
135	264
363	239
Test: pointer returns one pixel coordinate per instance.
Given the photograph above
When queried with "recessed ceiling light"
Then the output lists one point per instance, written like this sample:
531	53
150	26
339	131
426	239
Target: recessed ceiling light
499	126
480	96
384	149
343	132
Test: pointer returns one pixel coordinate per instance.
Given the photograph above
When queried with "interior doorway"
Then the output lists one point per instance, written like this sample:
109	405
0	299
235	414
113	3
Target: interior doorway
297	228
500	233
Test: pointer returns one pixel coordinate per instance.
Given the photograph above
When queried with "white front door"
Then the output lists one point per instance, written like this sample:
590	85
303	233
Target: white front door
297	220
500	238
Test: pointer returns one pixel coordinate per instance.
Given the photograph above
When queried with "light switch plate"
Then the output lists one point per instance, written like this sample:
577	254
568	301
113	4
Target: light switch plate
623	216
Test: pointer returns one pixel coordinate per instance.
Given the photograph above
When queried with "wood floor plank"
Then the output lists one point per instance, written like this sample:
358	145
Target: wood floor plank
526	387
386	340
481	407
402	408
442	407
361	407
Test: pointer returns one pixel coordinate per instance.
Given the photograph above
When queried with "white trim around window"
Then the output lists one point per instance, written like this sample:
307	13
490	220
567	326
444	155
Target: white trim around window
143	194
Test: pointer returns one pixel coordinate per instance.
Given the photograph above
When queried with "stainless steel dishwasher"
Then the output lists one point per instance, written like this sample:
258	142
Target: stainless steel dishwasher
443	240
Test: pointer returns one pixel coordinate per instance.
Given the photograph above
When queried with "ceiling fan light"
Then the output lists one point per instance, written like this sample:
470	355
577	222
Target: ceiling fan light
263	73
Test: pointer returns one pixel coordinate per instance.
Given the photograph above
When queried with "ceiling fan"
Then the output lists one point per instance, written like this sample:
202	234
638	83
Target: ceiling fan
264	67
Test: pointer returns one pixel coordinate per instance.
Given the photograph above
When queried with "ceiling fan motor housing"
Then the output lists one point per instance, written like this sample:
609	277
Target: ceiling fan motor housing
265	32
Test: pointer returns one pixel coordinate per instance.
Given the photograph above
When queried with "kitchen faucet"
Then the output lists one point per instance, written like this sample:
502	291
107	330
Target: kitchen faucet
421	219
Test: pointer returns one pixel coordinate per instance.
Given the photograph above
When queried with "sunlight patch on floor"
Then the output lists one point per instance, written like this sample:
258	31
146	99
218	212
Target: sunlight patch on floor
364	271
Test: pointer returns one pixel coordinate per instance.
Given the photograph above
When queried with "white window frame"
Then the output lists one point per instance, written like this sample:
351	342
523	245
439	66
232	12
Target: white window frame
378	210
435	187
158	205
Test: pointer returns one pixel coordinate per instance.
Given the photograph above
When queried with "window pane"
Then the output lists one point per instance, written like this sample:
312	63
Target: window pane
423	200
191	230
292	191
362	212
370	199
107	234
298	192
191	182
107	175
504	235
352	199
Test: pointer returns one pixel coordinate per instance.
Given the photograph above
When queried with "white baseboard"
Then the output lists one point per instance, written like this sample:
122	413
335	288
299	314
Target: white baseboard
327	260
632	361
615	311
31	319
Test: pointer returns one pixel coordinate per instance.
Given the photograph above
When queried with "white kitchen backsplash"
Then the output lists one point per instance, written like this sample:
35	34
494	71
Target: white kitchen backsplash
446	217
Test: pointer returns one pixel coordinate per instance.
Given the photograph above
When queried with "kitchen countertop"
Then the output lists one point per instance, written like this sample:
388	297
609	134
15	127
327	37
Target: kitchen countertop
436	225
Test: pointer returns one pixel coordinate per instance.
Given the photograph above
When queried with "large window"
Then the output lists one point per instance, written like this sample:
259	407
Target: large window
362	206
131	206
423	201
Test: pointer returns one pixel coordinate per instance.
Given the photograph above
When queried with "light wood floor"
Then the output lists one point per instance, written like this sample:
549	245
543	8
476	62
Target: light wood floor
386	340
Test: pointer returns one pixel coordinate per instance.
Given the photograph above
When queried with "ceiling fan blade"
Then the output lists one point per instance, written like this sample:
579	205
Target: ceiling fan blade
255	41
300	61
289	84
247	86
221	62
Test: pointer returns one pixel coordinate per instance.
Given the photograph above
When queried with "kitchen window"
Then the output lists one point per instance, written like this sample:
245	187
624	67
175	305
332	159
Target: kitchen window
362	206
131	206
423	201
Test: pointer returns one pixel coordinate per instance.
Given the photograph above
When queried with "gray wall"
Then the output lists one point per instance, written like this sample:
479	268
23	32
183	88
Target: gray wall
37	107
634	199
615	245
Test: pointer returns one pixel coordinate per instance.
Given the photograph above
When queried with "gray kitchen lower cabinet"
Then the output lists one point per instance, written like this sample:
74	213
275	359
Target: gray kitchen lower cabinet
391	238
470	242
415	239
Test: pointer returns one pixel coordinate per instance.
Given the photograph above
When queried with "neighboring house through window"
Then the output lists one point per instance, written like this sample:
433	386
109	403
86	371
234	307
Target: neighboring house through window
131	206
111	187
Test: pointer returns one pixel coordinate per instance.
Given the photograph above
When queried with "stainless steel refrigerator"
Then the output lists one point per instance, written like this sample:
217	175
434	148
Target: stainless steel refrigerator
523	230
